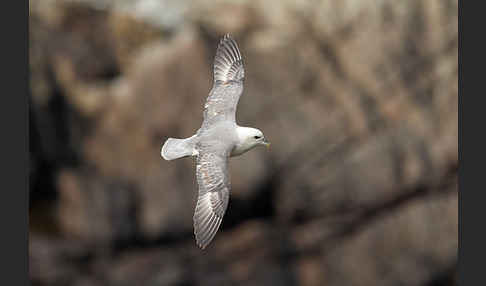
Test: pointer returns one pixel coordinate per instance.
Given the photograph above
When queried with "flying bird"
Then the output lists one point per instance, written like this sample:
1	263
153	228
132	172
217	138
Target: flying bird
218	138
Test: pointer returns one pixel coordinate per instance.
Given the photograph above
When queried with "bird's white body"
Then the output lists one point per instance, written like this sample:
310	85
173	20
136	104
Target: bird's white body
247	138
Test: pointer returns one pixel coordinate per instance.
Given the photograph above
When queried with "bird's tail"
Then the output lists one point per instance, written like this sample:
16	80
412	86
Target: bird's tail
177	148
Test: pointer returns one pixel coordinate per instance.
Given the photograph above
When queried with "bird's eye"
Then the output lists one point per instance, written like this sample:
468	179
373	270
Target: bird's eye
256	137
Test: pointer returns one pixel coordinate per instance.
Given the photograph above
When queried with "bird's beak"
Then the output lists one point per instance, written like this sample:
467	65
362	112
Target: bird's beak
266	143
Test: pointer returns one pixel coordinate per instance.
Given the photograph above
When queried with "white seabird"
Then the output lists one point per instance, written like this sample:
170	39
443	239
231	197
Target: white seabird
218	139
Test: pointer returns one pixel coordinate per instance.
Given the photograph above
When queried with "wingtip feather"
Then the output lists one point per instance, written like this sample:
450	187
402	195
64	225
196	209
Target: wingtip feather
228	62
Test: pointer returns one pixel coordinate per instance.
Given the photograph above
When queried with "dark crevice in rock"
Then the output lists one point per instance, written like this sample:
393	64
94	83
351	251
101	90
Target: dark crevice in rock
141	242
50	145
448	277
56	130
258	206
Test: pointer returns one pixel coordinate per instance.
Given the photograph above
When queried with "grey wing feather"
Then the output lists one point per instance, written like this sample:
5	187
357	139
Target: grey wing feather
227	88
213	197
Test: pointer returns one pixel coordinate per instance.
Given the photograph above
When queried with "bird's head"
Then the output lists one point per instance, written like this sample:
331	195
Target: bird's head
248	139
256	137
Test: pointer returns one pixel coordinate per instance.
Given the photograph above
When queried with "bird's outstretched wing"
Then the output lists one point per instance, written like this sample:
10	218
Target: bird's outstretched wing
214	187
227	88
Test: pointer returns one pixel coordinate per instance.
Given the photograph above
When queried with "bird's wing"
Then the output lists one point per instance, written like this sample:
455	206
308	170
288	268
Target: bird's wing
228	83
214	187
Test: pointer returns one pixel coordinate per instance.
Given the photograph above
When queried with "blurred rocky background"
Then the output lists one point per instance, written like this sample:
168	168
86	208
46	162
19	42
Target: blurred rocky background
359	100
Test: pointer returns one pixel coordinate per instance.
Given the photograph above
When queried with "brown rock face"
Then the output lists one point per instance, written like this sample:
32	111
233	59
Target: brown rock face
359	100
